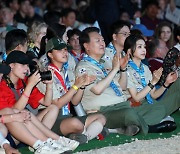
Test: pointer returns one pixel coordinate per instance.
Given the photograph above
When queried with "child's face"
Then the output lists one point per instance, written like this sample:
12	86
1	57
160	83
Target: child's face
59	56
19	70
74	42
140	51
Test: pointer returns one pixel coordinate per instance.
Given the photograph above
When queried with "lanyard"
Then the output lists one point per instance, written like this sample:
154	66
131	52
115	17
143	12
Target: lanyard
65	108
140	71
58	75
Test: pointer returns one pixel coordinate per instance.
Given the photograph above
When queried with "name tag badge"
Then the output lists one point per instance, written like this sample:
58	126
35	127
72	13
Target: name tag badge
98	72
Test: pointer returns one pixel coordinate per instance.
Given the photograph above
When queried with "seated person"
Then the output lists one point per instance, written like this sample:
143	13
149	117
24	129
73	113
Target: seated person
4	119
157	51
172	60
141	84
73	40
67	89
105	94
20	91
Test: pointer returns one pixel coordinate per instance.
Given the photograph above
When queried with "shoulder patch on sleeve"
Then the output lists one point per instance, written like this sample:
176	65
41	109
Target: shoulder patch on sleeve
82	70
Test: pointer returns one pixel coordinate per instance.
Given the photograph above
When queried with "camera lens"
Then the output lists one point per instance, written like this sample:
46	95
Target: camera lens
46	75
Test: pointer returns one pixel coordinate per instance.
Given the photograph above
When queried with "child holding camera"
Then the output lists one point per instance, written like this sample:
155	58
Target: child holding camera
16	94
18	91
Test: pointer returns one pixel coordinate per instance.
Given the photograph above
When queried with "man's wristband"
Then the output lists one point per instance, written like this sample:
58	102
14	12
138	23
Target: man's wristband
121	70
82	88
151	85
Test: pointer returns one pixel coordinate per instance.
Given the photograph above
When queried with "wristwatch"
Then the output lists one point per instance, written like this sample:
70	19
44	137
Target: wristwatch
151	85
121	70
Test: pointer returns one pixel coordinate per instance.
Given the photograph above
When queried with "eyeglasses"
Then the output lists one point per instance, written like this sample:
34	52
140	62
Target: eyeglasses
124	34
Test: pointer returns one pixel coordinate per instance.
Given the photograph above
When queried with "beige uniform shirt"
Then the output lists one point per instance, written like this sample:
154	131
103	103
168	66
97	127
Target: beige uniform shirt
91	101
134	80
58	89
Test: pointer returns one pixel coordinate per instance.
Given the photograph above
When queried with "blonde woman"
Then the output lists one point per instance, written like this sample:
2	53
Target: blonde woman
35	34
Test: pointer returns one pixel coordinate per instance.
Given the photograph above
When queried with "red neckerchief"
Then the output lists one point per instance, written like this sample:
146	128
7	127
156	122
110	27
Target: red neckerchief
75	54
58	75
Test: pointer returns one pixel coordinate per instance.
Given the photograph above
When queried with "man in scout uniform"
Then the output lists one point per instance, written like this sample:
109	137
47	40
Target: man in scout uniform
105	94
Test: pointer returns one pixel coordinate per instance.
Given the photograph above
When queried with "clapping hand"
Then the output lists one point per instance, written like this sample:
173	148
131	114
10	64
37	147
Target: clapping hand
116	62
157	75
172	77
84	80
124	61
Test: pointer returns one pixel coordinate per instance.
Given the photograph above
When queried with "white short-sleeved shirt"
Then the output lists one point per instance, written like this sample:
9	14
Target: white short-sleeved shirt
91	101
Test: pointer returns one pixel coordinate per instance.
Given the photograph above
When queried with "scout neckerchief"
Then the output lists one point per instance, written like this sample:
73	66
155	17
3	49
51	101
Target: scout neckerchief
77	57
112	84
65	84
111	46
140	71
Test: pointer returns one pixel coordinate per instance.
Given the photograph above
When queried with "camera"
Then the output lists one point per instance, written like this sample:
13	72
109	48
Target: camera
46	75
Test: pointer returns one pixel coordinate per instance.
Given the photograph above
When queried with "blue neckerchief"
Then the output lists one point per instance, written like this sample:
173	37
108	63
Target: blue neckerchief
65	108
140	71
67	82
4	56
111	46
112	84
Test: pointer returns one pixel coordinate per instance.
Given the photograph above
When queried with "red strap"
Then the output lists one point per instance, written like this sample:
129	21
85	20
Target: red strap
60	79
75	55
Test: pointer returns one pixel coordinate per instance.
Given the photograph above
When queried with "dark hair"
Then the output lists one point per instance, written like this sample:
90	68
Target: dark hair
72	32
53	30
177	33
51	17
8	2
22	1
65	12
152	46
130	43
136	32
14	38
117	26
84	37
151	2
